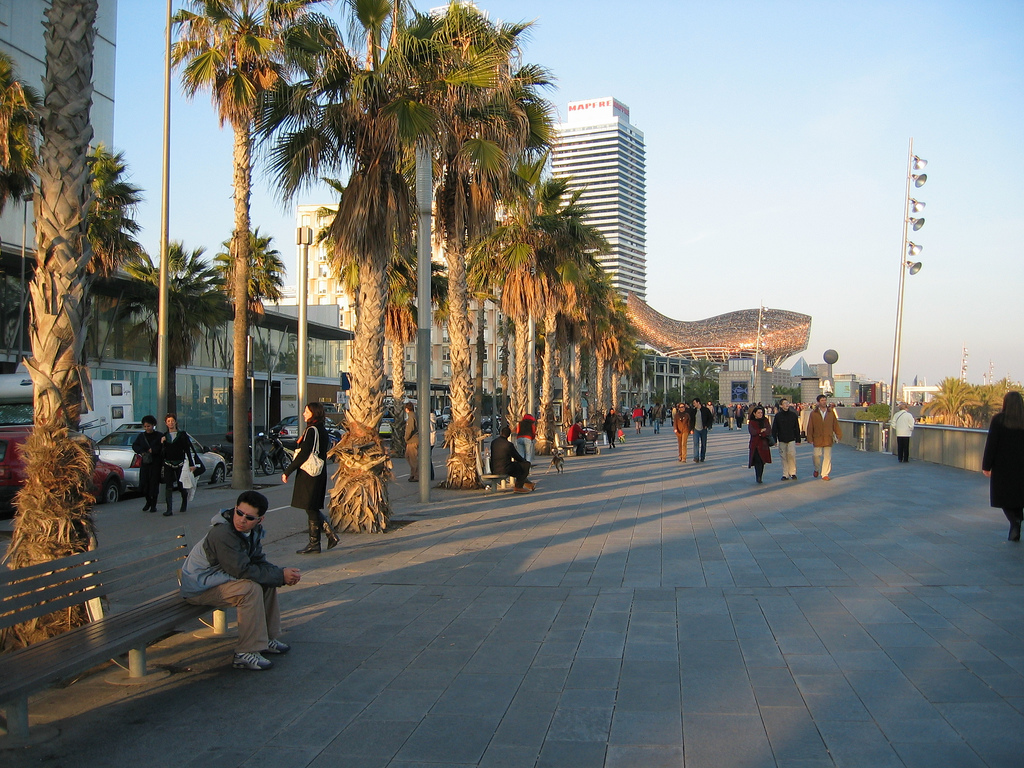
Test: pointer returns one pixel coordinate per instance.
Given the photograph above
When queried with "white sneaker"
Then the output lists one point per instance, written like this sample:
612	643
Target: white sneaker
276	646
252	661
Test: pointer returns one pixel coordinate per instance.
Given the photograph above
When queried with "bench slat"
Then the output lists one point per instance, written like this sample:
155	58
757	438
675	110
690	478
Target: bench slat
34	611
44	663
9	576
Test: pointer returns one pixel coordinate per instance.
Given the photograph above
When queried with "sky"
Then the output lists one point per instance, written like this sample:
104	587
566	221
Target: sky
777	137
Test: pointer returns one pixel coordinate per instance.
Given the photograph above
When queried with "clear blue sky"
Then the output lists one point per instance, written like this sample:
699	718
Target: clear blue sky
776	136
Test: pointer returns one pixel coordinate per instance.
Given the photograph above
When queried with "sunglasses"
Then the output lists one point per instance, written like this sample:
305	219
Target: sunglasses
250	518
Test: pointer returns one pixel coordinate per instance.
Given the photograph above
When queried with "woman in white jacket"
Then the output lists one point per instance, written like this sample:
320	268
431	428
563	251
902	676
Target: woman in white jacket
902	425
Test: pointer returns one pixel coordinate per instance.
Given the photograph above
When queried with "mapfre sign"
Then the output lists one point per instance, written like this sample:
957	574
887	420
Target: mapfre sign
606	108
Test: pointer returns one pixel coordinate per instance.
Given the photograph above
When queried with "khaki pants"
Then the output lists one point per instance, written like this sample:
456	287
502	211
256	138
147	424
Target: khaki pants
823	459
412	455
259	618
787	452
683	442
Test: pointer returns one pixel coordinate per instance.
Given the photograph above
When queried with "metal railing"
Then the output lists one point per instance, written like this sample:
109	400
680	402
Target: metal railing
950	446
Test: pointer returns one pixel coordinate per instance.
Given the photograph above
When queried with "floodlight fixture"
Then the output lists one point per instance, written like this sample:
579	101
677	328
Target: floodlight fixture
920	179
916	224
916	206
913	249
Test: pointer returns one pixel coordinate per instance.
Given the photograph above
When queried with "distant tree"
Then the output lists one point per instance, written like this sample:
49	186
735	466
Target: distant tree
112	224
952	402
266	271
19	133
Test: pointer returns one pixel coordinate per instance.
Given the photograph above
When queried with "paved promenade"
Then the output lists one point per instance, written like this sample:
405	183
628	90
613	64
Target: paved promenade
631	612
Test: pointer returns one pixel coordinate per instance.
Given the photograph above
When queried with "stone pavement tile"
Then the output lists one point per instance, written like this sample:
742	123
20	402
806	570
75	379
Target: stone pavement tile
994	731
524	728
607	621
710	653
849	661
588	724
930	731
448	739
398	704
318	725
656	672
714	741
545	679
932	658
792	733
594	673
811	663
890	636
578	754
503	756
556	653
219	757
717	691
648	697
281	757
644	651
621	756
362	685
646	728
705	628
951	686
500	657
479	695
947	754
579	698
425	678
366	738
857	745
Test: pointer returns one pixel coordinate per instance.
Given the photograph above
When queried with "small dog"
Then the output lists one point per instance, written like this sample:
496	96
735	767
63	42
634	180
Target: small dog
557	460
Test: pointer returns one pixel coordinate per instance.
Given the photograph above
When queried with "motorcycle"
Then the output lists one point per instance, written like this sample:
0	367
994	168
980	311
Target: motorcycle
280	457
262	463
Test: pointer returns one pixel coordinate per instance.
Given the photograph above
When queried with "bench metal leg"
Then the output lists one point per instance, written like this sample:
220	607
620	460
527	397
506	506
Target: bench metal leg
220	621
137	662
17	719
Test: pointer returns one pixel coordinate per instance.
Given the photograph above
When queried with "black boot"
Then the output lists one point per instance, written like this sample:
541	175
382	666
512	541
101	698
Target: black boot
332	537
170	508
184	503
313	547
1015	523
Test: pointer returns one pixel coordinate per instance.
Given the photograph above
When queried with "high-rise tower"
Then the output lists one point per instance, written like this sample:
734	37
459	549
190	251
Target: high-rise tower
604	154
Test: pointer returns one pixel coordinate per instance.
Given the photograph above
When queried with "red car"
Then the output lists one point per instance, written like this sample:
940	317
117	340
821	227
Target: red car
107	479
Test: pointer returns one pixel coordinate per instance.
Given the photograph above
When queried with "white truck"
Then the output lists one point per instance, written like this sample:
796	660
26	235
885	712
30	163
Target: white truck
111	404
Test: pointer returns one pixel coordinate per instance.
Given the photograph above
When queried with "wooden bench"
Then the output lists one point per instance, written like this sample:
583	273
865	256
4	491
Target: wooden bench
590	445
492	482
123	576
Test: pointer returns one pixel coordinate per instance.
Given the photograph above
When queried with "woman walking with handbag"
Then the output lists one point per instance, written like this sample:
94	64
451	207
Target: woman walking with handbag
177	447
311	481
760	450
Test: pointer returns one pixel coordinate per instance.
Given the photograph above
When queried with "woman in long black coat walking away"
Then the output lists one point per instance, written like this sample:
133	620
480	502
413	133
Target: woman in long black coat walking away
310	489
759	451
1003	461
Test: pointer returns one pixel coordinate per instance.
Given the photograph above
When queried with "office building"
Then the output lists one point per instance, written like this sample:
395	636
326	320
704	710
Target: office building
603	153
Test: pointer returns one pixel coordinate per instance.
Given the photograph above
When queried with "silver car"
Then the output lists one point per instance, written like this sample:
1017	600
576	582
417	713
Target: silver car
117	449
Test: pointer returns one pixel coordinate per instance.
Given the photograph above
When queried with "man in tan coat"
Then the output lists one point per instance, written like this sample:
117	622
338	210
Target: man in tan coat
822	425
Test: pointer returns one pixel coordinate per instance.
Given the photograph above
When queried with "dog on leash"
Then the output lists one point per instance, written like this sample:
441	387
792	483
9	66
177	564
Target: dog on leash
557	460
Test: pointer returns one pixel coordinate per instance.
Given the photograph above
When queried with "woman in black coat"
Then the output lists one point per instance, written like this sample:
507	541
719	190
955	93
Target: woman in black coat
611	426
759	453
310	490
1003	461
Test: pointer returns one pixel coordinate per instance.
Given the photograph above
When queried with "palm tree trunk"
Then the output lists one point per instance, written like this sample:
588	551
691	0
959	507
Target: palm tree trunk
521	372
601	380
359	497
398	395
460	437
546	427
504	374
55	505
593	399
241	474
566	366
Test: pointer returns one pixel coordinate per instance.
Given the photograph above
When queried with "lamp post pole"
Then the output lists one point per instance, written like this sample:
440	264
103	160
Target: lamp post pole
424	204
303	238
907	249
163	300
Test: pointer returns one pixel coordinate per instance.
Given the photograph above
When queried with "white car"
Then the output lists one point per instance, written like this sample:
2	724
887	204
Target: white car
116	448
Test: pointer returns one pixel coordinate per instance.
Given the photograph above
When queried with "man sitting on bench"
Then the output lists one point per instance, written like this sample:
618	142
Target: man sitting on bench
228	568
506	460
577	437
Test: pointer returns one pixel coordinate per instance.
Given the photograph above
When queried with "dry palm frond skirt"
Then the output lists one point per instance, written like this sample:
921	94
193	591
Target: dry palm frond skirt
54	520
359	496
462	474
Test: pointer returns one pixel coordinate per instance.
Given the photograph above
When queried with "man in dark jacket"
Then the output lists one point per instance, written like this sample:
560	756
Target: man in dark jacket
701	419
786	430
506	460
228	568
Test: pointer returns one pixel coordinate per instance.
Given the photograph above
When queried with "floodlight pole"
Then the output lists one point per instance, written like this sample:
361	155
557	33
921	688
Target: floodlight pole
903	276
163	301
424	204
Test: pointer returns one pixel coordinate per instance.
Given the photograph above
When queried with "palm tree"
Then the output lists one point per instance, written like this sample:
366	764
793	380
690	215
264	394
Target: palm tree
112	225
54	507
490	119
951	403
235	49
19	122
266	271
196	308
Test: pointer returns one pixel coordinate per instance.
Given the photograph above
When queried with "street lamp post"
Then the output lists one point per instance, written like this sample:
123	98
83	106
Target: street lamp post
907	265
303	238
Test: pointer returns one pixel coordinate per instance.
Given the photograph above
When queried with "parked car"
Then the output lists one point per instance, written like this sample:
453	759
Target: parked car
117	449
289	430
107	479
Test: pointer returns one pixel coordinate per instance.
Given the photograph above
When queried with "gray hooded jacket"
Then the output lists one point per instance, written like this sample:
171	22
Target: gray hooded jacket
225	554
